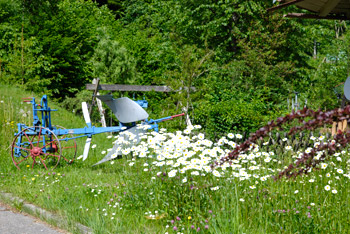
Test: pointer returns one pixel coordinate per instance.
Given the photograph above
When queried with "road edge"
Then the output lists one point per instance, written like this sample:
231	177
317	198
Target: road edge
44	215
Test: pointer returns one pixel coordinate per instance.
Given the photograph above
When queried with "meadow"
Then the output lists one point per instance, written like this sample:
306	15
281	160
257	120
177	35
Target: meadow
165	184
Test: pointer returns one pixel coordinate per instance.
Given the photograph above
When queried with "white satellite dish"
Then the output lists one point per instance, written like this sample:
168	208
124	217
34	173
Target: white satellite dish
125	109
347	89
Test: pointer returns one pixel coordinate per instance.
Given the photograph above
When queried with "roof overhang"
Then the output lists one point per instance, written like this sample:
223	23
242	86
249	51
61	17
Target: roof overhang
320	9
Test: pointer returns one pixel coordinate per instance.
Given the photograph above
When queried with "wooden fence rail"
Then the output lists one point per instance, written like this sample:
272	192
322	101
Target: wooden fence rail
134	88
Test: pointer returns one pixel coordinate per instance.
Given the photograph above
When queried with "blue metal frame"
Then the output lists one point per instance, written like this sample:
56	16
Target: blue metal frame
88	131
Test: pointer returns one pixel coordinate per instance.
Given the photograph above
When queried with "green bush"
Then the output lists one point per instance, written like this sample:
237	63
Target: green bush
230	116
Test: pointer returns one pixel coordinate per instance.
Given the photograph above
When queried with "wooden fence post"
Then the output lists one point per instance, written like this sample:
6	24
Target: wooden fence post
99	103
341	125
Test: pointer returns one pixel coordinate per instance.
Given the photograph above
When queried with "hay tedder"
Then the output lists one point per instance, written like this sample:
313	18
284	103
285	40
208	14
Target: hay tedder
47	144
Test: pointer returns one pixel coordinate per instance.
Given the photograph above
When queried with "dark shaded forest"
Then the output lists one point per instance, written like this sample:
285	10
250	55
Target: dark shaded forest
245	63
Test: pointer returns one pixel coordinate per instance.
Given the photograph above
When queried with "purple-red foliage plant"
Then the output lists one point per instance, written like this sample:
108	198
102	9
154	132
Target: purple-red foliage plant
307	161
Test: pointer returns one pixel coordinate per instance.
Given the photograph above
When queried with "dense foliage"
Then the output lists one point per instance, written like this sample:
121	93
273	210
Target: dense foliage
243	62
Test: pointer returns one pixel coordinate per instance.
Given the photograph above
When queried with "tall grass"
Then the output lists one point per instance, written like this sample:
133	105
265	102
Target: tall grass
165	184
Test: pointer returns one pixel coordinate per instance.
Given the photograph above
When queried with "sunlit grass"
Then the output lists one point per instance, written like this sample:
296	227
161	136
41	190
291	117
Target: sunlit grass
166	184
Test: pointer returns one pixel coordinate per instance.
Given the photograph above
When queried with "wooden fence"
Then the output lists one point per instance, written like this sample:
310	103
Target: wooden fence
282	139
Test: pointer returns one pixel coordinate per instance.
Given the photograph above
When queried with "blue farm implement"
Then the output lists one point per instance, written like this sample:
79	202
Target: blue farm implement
47	144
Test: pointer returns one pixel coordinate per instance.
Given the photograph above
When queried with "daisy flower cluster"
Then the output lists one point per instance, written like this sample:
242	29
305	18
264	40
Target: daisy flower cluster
188	153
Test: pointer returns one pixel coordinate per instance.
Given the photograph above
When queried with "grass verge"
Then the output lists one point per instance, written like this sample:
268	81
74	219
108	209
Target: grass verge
165	184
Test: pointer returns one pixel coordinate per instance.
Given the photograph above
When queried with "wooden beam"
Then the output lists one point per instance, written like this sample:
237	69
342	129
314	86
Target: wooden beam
328	7
140	88
313	16
283	5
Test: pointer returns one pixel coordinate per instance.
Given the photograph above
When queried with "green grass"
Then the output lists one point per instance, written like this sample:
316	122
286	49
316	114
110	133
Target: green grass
139	195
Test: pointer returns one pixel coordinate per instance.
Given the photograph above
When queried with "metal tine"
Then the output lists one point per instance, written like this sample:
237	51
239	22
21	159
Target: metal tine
273	142
327	135
301	140
241	140
285	135
307	140
296	145
281	142
260	143
293	137
269	141
245	136
293	141
278	137
278	140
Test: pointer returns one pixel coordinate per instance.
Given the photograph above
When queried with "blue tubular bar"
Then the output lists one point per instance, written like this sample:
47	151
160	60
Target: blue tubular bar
152	121
86	131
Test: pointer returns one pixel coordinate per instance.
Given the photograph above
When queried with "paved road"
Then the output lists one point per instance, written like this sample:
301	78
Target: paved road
12	222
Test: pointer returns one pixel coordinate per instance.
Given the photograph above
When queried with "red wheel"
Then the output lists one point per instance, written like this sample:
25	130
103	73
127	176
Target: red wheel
69	147
36	145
